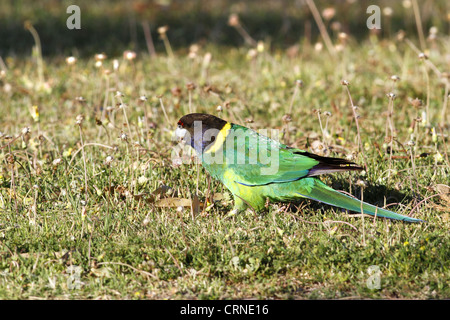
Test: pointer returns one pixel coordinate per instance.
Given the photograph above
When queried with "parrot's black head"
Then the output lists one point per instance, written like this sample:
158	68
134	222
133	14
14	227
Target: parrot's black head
199	130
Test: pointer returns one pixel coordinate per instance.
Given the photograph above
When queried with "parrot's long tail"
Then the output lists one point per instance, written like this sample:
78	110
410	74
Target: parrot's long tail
323	193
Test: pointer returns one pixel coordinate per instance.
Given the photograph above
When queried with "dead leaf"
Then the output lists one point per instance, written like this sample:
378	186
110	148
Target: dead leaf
103	272
195	205
173	202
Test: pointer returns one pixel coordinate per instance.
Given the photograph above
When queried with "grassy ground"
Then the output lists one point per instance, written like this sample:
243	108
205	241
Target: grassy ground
95	207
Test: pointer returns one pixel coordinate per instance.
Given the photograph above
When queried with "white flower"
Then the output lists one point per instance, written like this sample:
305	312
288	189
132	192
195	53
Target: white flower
79	119
71	60
25	130
129	55
56	162
108	160
142	180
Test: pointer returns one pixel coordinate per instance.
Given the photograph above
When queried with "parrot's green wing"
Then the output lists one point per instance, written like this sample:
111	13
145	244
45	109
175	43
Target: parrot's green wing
257	160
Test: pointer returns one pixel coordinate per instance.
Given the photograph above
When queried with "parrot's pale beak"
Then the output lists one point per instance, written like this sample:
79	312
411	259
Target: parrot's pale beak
180	133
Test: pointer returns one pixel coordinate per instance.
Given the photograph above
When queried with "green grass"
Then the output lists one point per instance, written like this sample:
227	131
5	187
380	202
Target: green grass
128	247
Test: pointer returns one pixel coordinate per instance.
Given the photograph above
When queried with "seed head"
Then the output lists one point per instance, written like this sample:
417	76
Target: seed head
176	91
142	180
395	78
299	83
342	36
416	103
162	30
336	26
25	131
328	13
391	95
123	136
79	119
401	35
260	46
286	118
233	20
71	60
361	183
194	48
190	86
80	99
129	55
406	4
100	56
318	46
115	64
109	160
10	158
423	56
434	30
252	53
57	162
345	83
387	11
136	144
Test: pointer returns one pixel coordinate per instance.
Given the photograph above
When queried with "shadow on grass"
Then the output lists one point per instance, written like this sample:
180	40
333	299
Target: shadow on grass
373	194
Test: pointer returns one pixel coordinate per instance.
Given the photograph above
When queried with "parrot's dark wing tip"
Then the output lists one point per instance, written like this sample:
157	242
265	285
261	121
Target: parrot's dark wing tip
329	165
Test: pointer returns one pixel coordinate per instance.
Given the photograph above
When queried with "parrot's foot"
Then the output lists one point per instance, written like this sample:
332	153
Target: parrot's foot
239	204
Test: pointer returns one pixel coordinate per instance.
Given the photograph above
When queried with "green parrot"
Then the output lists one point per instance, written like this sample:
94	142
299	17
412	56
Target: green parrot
256	168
